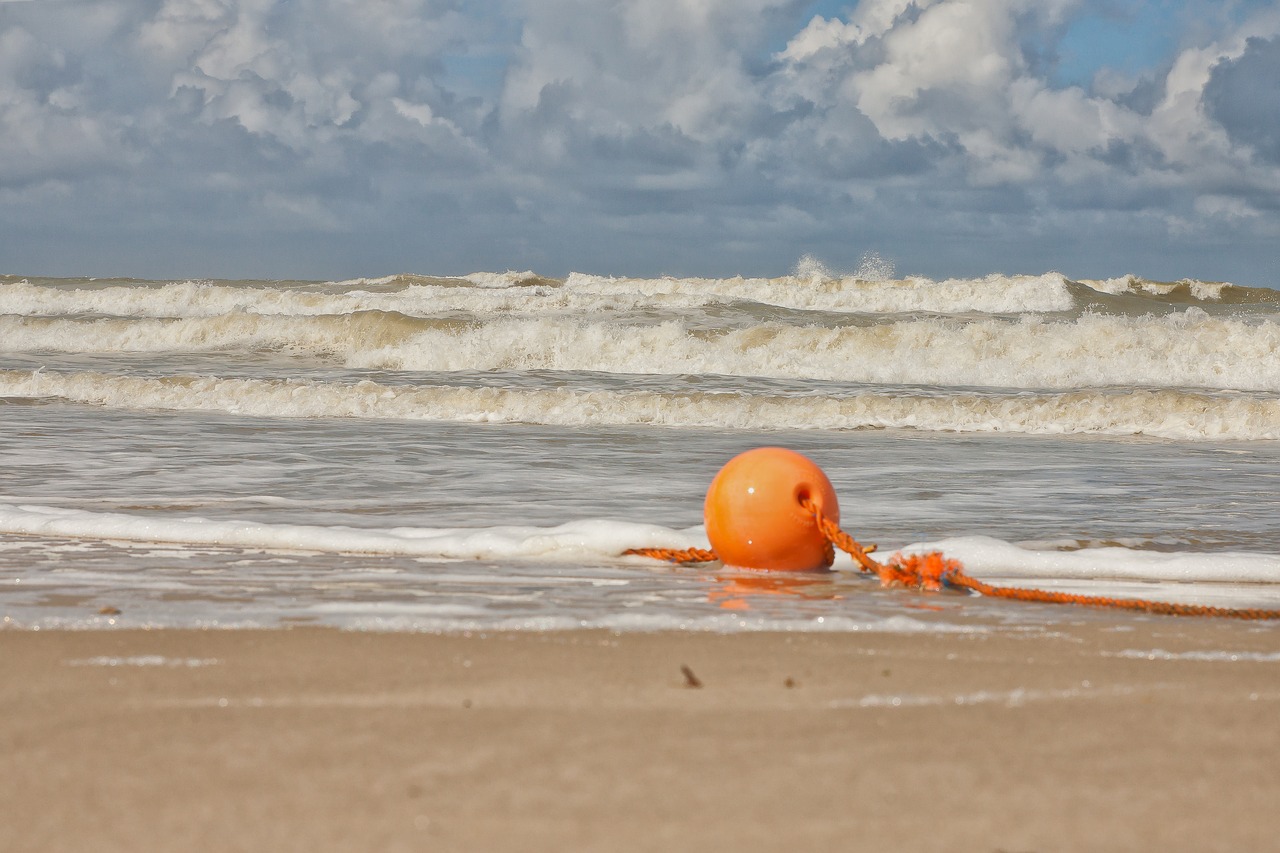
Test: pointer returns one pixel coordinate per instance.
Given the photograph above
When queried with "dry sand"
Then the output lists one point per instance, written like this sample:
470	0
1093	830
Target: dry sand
312	739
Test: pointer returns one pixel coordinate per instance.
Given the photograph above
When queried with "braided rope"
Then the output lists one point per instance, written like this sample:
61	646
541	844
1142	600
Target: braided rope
963	581
674	555
933	571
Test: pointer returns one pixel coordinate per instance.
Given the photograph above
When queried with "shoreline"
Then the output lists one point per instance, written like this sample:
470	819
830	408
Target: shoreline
1097	734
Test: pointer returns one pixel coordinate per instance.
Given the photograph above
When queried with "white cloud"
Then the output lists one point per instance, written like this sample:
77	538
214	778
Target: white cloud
964	50
614	118
182	27
954	71
44	130
638	63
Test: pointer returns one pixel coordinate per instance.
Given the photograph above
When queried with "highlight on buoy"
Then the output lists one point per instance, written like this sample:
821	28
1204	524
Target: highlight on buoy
756	512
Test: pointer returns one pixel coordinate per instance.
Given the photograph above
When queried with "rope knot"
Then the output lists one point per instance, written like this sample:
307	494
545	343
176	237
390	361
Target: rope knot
930	571
934	572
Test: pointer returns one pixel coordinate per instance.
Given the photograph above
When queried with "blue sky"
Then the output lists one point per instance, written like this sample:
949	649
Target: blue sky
336	138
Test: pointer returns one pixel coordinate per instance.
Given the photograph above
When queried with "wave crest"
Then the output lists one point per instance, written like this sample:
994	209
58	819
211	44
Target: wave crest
1164	414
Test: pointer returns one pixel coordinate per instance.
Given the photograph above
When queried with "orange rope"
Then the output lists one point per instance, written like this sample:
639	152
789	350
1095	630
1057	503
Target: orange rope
674	555
965	582
933	572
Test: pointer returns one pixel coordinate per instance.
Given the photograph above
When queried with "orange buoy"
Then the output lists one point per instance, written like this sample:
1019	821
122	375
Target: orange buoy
754	515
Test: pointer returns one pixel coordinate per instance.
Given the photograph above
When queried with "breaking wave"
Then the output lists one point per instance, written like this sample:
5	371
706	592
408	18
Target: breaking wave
1034	354
1164	413
1190	349
810	288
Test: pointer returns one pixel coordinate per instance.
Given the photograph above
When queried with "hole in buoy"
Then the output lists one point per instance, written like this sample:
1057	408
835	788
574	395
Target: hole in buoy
802	495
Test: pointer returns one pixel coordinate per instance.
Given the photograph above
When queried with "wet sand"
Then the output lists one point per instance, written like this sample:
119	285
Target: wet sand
310	739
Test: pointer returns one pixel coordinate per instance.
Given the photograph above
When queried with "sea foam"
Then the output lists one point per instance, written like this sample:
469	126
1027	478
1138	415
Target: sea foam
1162	414
572	541
606	539
1189	349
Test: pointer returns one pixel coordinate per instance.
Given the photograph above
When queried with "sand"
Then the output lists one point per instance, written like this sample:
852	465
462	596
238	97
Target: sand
312	739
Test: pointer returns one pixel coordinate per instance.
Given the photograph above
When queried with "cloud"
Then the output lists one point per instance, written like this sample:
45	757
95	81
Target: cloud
45	129
956	72
1243	95
705	136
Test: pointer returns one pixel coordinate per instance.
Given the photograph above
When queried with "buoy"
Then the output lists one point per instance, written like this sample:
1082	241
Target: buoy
771	508
754	513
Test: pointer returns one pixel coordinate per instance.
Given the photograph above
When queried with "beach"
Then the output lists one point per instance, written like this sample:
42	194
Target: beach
376	382
340	565
1103	733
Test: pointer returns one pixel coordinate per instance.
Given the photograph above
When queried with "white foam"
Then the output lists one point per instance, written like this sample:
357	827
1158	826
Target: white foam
813	288
714	623
1114	286
504	279
209	300
573	541
145	661
1009	698
607	539
1205	291
368	282
1202	291
1165	414
1189	350
983	557
1205	655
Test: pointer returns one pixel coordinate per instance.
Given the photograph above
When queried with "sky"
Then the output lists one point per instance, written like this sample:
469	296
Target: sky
329	139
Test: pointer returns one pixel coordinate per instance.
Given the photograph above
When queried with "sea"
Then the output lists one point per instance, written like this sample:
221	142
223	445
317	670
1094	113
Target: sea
475	452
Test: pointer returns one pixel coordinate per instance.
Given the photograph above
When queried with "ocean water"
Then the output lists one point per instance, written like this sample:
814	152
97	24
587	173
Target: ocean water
472	453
